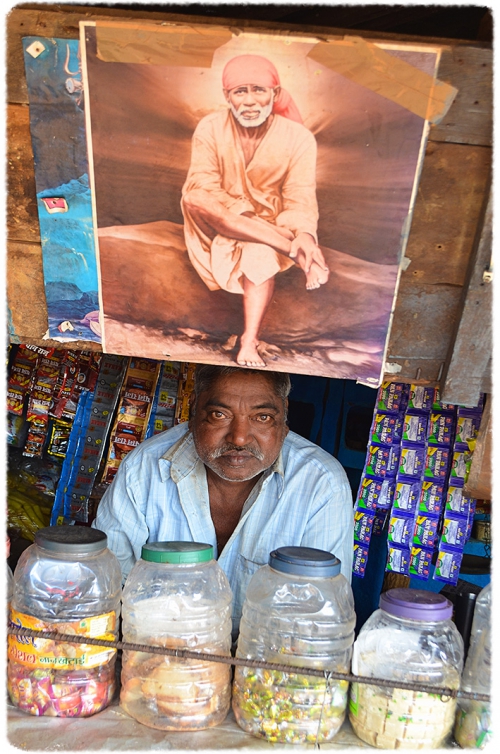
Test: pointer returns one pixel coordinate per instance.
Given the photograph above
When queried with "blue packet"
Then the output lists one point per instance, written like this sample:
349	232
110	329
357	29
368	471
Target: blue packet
415	426
360	560
441	429
431	497
426	531
438	405
386	428
420	563
448	565
406	494
454	532
411	460
437	462
468	423
460	466
363	525
421	397
398	559
374	493
381	461
401	527
456	503
391	397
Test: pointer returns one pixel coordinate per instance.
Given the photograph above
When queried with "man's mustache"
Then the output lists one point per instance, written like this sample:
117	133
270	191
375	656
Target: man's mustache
229	447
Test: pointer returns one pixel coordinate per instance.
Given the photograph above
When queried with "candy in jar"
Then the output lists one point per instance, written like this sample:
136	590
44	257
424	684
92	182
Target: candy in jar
66	582
410	638
178	597
473	720
298	611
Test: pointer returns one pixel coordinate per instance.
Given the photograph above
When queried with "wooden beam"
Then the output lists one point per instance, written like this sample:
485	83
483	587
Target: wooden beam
470	349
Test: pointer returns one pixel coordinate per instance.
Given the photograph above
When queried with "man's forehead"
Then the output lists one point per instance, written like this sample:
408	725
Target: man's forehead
242	385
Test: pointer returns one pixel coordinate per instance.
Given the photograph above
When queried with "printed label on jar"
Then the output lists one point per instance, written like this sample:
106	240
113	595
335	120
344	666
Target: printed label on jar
47	653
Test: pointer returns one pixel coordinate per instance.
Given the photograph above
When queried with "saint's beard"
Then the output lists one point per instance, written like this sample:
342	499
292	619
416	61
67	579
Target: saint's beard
265	112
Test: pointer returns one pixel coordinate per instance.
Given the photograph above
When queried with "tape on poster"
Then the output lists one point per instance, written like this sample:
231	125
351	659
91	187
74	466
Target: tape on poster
370	66
155	44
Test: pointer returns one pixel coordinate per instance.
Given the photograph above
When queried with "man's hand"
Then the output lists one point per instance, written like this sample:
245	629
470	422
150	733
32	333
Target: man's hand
306	251
282	231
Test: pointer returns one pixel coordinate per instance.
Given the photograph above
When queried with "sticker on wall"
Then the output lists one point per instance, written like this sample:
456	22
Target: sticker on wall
57	124
253	191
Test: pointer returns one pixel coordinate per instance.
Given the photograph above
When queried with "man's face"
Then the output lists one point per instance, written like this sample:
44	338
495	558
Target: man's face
251	104
239	426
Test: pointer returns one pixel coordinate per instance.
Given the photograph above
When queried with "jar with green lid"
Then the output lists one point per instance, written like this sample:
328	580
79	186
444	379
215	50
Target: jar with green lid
176	596
66	582
298	611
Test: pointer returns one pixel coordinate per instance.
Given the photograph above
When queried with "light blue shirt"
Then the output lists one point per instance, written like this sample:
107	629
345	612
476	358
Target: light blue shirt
160	493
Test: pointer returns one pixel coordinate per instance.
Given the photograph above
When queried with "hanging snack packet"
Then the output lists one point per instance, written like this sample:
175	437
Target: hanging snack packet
468	423
460	466
411	460
392	397
438	405
363	524
400	528
406	494
420	563
441	429
386	429
437	462
381	461
415	427
431	497
426	531
398	559
421	397
454	532
374	493
360	560
448	565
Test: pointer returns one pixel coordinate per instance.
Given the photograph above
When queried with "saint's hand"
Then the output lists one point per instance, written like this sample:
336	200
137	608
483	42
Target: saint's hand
306	251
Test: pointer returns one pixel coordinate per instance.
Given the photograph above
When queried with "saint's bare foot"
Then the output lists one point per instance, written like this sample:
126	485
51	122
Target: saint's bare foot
248	355
316	276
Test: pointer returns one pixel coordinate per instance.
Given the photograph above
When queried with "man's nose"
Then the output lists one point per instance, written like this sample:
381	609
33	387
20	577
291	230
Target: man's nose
239	431
249	98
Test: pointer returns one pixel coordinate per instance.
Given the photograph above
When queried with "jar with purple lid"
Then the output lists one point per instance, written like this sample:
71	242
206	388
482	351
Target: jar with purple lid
410	638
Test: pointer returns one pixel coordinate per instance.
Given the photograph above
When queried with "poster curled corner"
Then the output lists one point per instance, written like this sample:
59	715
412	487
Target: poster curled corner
159	44
368	65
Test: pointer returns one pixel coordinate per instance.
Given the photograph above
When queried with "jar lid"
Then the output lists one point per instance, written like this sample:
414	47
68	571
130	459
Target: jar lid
418	604
70	539
304	561
177	552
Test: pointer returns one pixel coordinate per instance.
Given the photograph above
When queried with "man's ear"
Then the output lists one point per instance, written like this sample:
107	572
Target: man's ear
277	92
226	94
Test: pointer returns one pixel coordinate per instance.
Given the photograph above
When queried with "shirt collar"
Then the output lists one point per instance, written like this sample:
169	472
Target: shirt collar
184	459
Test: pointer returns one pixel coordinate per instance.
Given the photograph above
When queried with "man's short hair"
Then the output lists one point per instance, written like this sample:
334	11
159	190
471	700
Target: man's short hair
206	374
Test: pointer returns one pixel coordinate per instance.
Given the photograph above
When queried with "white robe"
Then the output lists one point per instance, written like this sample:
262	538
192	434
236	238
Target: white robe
278	184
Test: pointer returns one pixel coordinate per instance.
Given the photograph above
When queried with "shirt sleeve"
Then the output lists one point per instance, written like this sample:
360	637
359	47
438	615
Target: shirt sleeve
331	526
120	517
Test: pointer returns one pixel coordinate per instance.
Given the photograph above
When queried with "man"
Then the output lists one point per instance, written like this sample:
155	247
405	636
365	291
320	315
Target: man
233	477
249	200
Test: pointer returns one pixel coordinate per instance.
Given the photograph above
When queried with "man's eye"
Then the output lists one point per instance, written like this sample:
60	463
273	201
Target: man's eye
217	415
264	418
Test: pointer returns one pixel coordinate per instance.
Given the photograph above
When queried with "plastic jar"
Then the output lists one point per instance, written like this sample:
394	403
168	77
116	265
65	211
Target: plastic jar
410	638
67	582
177	596
473	723
298	610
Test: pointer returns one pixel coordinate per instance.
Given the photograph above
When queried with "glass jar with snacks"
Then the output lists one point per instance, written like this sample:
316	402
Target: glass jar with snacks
298	611
66	582
473	723
410	638
176	597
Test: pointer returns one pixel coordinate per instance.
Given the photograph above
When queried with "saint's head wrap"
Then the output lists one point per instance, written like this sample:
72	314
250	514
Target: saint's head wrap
254	69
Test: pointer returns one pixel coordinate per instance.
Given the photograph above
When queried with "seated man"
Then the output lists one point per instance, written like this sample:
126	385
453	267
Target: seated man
234	477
